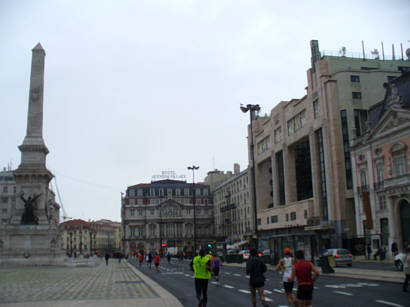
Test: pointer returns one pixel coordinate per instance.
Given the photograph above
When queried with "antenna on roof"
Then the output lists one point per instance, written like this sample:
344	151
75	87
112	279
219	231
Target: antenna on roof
364	55
383	51
375	54
392	49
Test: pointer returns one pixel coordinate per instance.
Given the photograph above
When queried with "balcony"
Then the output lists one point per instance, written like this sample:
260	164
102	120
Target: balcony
402	180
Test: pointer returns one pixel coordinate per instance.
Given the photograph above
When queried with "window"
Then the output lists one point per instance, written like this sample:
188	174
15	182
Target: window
354	78
287	217
399	165
5	189
206	192
297	122
356	95
305	214
132	212
274	219
346	147
139	192
263	145
152	211
293	216
267	220
363	177
382	202
380	172
278	135
259	221
390	78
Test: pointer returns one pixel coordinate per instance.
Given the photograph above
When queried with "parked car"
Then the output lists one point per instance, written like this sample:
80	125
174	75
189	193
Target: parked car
342	256
245	254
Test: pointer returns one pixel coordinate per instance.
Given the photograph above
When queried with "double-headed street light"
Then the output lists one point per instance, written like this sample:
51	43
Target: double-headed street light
193	168
253	108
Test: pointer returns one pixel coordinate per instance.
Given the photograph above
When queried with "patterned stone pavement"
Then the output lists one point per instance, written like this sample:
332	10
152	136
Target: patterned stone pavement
36	284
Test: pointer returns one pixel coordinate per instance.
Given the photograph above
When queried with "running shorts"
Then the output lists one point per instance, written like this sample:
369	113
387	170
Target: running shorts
288	286
305	292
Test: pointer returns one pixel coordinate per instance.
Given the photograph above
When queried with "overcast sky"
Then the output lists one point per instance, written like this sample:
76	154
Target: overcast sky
134	88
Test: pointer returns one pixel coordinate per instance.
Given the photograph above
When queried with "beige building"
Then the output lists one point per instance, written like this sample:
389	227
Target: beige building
163	213
382	171
232	211
78	238
304	182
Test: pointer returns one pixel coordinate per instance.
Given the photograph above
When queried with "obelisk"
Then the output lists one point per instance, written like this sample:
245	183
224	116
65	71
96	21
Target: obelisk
31	236
33	150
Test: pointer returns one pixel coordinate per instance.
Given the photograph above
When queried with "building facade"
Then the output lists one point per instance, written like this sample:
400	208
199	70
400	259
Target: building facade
303	169
7	194
232	210
82	238
382	171
162	214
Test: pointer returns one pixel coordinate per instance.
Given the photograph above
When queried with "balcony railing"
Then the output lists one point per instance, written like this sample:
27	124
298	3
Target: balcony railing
397	181
363	188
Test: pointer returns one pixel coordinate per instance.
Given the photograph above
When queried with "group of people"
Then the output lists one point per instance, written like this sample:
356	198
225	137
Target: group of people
205	266
148	259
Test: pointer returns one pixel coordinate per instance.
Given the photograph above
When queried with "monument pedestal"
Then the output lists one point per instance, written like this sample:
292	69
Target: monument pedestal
28	245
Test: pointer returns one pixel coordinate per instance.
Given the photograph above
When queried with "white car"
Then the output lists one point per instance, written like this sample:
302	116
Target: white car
245	254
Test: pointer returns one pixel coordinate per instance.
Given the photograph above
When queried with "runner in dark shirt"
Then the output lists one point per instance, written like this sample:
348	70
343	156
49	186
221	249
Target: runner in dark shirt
256	268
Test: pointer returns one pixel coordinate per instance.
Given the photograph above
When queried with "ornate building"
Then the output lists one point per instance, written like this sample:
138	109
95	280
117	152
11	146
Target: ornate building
163	214
381	159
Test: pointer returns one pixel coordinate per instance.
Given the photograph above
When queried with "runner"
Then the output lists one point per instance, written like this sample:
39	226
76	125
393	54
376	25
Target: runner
216	263
202	273
303	271
156	261
169	257
256	268
140	258
285	264
149	263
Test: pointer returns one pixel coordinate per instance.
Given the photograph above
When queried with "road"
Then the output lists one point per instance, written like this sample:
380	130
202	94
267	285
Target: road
234	291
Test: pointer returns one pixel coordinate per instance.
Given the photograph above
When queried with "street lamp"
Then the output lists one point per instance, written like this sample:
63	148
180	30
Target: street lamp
252	108
193	168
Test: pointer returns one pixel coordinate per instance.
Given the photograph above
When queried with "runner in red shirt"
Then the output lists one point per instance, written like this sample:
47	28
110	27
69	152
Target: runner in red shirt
140	258
156	261
303	271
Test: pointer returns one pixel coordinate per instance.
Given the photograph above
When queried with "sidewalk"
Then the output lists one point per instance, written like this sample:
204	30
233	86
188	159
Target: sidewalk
118	284
351	272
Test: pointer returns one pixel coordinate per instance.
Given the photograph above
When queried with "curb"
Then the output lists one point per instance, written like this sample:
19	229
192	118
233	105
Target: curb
168	299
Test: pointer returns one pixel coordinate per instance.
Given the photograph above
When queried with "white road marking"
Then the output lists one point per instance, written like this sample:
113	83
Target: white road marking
228	286
227	273
278	291
373	285
244	291
214	282
388	303
344	293
247	276
268	299
336	286
267	291
236	274
187	275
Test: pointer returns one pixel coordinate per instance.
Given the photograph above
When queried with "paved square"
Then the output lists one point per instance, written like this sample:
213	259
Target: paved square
33	284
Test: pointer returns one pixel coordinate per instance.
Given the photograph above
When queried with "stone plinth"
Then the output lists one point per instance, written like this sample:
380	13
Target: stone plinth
31	245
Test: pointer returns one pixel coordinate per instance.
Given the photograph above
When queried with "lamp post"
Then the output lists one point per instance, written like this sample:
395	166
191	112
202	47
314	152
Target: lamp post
252	108
193	168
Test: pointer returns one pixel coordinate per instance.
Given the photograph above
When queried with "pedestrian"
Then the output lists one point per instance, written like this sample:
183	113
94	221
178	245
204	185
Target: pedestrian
285	265
156	261
169	257
216	264
369	252
256	269
149	263
140	258
406	269
394	249
303	269
202	273
119	257
107	256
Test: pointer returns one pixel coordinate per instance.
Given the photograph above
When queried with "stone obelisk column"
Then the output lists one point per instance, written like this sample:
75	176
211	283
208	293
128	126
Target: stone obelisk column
32	176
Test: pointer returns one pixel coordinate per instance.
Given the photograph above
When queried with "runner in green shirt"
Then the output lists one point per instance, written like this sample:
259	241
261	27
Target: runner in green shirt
202	273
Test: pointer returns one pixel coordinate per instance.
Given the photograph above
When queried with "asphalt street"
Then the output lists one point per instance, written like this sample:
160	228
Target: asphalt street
233	289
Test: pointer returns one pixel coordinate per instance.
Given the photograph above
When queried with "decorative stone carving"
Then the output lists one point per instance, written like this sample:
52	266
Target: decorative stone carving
28	217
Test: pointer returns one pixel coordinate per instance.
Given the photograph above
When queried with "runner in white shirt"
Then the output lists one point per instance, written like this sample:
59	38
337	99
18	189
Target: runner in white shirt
285	265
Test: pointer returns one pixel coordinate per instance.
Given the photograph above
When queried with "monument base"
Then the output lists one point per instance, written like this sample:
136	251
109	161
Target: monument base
31	245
